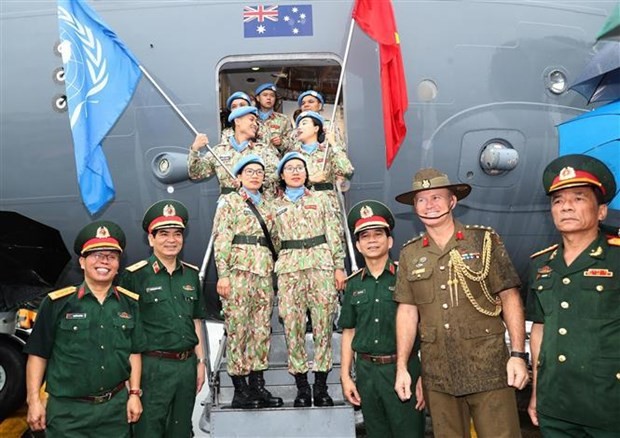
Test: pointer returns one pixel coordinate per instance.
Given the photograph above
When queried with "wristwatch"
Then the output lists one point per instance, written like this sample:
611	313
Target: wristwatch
521	355
202	360
137	392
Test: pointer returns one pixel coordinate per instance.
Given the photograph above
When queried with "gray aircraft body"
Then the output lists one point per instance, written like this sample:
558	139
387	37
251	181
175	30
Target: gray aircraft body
487	84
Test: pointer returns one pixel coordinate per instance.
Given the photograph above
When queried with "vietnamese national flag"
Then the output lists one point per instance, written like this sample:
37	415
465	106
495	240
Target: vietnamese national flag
376	18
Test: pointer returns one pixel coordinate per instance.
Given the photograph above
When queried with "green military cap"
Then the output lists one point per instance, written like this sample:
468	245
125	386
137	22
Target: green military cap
577	170
99	236
167	213
427	179
369	214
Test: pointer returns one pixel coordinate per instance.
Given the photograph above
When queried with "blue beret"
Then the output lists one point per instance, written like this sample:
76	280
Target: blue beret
310	93
248	159
288	157
242	111
316	116
238	95
263	87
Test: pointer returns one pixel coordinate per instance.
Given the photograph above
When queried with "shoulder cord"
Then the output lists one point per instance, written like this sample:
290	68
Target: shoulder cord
458	270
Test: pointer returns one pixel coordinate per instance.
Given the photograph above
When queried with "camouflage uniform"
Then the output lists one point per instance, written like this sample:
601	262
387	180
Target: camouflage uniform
203	166
262	133
249	266
335	138
306	277
276	125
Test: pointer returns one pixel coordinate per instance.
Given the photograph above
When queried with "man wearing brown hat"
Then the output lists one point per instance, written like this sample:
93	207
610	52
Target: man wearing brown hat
86	344
459	284
172	306
574	302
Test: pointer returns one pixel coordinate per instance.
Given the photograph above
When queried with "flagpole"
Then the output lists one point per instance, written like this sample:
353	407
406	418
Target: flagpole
182	116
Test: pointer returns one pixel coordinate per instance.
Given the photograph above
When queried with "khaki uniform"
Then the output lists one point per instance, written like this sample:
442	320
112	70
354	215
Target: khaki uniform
463	350
579	362
87	346
306	276
204	166
242	255
276	125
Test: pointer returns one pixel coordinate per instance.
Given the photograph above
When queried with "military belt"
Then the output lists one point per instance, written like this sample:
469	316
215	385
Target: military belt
304	243
391	358
176	355
226	190
249	240
319	187
104	397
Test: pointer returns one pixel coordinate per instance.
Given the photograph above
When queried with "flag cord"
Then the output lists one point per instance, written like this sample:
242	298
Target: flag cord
182	116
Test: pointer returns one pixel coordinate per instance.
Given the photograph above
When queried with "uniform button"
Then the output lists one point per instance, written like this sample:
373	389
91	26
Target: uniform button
441	268
562	358
444	305
566	280
101	326
101	388
102	347
75	327
442	287
446	326
564	305
419	275
376	341
618	376
156	299
180	316
487	331
376	300
562	331
123	326
102	367
376	319
540	287
600	288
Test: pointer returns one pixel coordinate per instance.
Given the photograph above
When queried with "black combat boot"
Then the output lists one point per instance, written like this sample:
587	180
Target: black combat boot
304	395
319	390
257	385
243	397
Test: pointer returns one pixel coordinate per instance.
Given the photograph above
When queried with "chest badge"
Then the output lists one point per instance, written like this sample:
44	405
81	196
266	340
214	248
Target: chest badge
598	273
544	272
124	315
189	288
75	316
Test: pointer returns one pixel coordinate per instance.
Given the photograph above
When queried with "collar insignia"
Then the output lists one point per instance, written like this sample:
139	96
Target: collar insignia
596	252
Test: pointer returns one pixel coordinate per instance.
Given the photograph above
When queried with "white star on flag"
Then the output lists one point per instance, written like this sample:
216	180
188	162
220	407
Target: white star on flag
287	18
295	31
260	29
302	16
295	10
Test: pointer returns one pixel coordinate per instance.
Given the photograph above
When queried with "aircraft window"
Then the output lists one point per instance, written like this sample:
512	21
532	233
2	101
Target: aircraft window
291	74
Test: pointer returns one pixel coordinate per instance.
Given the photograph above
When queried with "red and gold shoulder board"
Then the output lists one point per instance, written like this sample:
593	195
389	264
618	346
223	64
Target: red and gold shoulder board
543	251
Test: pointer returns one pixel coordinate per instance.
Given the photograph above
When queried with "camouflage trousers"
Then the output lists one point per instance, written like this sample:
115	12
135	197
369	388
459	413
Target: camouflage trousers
308	289
247	314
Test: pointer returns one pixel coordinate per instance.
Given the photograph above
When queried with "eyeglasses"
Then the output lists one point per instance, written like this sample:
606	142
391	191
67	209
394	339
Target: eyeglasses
252	172
108	257
296	169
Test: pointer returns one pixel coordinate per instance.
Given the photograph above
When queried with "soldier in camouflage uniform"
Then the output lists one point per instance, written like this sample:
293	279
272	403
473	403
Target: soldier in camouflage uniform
461	282
276	126
86	344
313	101
241	144
323	175
310	270
234	101
244	265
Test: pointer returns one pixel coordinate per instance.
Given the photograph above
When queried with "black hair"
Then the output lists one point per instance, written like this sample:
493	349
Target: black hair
320	136
282	183
388	233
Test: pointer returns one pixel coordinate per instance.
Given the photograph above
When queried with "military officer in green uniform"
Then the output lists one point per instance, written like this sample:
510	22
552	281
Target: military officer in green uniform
172	307
459	283
368	319
86	345
574	302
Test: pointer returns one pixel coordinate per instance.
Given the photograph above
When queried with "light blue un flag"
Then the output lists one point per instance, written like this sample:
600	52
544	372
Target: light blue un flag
101	75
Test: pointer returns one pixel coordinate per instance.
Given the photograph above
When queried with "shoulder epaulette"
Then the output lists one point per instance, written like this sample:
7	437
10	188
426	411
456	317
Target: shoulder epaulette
480	228
137	265
355	273
543	251
62	292
194	267
413	240
613	240
130	294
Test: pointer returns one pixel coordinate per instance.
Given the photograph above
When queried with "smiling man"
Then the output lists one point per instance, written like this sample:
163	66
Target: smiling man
459	284
574	302
86	344
172	306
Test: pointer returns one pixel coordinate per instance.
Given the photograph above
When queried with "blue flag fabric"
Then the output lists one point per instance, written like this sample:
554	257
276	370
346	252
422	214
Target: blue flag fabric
101	75
277	21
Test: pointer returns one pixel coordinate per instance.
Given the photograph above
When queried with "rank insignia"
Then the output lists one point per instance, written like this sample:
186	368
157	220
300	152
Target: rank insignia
425	242
598	273
124	315
189	287
156	267
459	235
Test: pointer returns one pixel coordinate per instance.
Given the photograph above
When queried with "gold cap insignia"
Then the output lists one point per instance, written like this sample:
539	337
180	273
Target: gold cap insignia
567	173
426	183
169	210
366	212
102	233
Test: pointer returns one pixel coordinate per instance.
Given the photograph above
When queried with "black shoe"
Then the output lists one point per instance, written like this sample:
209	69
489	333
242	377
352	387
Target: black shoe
243	397
320	395
257	386
304	395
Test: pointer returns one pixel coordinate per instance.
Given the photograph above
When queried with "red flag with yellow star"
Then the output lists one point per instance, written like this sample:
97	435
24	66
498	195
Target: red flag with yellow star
376	19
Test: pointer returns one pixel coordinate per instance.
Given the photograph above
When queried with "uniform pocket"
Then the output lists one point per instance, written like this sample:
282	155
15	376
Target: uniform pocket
542	289
603	297
428	334
123	330
478	329
421	285
359	298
